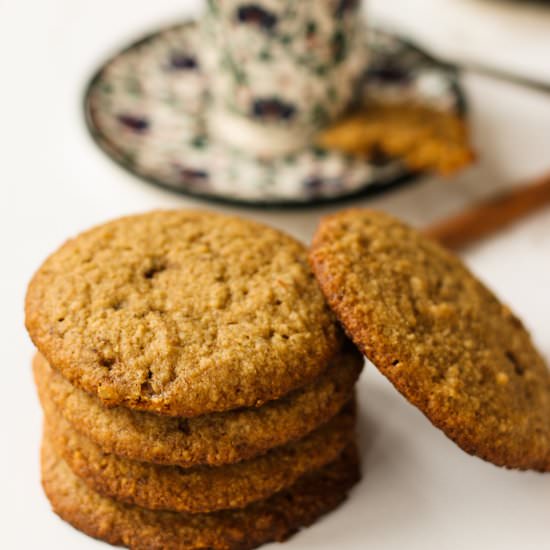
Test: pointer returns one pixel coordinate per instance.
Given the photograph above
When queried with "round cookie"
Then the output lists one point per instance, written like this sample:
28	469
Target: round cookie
438	334
216	439
203	488
182	313
274	519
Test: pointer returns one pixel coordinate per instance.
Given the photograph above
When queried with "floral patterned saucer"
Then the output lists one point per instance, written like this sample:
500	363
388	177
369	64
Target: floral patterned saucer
146	109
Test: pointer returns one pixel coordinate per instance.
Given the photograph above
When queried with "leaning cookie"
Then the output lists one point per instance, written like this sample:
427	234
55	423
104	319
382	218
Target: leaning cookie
215	439
182	313
203	488
440	336
274	519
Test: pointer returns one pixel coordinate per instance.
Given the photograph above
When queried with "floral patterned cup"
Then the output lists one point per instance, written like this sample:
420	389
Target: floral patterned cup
280	69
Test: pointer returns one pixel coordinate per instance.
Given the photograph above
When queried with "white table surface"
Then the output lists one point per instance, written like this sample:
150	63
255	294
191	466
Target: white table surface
419	490
509	35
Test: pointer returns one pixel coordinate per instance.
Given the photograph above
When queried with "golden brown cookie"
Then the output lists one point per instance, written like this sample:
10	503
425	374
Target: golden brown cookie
215	439
182	313
274	519
441	337
203	488
425	138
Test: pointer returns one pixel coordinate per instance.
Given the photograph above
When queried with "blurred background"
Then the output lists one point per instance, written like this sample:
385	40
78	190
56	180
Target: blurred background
56	182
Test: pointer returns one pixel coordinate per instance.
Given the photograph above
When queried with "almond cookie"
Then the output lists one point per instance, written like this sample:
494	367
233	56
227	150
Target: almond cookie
274	519
203	488
182	313
439	335
214	439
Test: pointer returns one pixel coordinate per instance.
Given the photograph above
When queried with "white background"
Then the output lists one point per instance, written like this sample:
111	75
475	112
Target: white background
419	490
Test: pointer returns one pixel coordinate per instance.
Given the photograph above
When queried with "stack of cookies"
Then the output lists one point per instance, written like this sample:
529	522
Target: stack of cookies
197	390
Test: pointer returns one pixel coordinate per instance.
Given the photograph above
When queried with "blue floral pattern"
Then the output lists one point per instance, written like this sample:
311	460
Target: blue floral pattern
252	14
147	107
310	54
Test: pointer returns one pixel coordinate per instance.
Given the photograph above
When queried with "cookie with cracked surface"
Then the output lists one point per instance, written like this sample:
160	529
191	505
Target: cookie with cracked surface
182	313
438	334
274	519
203	488
215	439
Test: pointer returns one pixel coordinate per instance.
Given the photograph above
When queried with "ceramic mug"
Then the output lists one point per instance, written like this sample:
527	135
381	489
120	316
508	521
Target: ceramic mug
280	69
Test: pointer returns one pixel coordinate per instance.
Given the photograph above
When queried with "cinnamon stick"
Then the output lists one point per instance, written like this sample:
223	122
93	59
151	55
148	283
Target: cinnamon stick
488	217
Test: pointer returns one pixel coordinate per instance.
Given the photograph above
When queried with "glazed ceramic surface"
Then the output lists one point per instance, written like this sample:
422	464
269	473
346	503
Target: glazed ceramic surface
149	106
280	69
